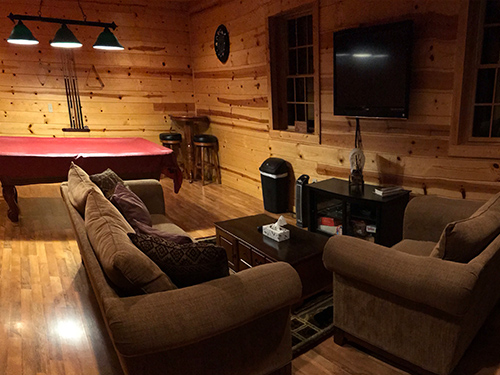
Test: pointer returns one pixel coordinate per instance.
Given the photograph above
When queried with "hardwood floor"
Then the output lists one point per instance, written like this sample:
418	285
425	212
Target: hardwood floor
49	318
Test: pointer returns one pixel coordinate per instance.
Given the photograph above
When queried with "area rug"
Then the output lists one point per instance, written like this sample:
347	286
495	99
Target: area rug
312	321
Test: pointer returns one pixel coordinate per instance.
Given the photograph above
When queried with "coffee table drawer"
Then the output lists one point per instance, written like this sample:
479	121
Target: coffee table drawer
258	259
245	252
228	243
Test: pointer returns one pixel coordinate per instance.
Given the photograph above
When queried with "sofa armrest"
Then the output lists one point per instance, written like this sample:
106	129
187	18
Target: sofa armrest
426	216
161	321
444	285
151	193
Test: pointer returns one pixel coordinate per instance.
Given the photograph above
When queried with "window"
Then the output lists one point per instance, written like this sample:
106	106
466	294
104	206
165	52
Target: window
300	78
293	44
486	118
475	130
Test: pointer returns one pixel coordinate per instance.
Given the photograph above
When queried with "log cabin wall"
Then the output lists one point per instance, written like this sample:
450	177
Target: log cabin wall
123	93
413	153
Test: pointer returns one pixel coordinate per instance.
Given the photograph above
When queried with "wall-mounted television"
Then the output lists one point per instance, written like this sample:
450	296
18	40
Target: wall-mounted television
372	70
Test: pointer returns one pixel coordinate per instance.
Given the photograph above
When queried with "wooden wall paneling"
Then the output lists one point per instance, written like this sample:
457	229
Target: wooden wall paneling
242	183
240	86
255	72
409	151
251	101
153	69
112	84
334	125
400	144
105	61
104	98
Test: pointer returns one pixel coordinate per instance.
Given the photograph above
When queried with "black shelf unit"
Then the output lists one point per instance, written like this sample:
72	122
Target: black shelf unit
360	212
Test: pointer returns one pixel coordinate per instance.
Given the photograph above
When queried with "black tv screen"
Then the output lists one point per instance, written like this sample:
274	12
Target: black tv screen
372	70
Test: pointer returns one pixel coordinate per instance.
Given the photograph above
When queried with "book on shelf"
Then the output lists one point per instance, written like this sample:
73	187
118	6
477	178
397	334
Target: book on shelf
333	230
330	225
387	190
327	220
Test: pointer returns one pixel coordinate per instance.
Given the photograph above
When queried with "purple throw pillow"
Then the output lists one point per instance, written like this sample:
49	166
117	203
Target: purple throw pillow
131	206
141	228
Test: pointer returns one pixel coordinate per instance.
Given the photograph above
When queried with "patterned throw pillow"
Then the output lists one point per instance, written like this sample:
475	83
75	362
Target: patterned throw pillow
106	181
185	264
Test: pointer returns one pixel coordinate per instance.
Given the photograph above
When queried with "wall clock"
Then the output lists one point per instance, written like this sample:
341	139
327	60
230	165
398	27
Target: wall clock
221	43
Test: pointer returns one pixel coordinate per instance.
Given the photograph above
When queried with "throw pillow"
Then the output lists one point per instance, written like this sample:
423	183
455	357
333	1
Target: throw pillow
463	240
106	181
79	186
142	228
123	263
186	264
130	205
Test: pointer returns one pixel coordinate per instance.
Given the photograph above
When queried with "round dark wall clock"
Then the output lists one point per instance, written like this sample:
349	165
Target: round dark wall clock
221	43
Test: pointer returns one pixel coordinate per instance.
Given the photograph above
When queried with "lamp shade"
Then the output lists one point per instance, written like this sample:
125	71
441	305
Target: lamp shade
107	41
21	35
64	38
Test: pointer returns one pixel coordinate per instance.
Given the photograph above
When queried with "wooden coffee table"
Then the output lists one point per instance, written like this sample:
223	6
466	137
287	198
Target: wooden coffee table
246	247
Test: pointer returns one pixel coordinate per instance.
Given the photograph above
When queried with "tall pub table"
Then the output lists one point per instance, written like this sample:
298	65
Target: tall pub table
189	124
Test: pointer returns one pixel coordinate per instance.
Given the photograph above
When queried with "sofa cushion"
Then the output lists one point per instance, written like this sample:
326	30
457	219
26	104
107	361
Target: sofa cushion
186	264
130	205
125	265
414	247
106	181
141	228
79	186
463	240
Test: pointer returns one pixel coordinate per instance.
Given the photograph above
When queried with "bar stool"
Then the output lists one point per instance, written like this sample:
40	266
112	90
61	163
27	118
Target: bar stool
173	141
206	145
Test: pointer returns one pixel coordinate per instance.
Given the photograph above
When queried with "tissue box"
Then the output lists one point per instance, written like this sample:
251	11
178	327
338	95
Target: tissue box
278	235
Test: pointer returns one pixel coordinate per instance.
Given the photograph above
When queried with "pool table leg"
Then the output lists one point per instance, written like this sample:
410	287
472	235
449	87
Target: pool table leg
10	195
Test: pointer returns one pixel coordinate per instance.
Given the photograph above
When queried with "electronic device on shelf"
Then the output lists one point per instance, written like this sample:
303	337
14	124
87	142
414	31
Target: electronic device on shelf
372	70
301	201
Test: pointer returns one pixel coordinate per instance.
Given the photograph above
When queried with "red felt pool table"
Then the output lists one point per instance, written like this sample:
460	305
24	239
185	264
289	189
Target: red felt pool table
34	160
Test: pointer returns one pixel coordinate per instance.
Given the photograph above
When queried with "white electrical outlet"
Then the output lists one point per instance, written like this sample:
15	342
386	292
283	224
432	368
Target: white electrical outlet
50	108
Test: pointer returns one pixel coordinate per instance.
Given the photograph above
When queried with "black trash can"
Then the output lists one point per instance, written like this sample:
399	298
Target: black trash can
274	178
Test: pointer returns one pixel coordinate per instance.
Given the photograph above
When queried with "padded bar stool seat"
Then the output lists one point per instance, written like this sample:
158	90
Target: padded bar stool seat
169	137
206	145
205	138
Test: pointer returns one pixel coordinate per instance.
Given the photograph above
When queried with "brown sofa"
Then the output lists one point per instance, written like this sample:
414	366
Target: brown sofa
408	301
238	324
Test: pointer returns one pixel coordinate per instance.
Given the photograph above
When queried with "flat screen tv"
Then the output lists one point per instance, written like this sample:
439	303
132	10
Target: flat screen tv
372	70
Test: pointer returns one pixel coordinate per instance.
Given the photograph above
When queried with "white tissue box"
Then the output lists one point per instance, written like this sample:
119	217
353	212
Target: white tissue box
278	235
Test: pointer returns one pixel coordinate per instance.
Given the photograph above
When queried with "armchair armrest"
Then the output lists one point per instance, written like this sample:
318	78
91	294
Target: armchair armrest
426	216
167	320
151	193
446	286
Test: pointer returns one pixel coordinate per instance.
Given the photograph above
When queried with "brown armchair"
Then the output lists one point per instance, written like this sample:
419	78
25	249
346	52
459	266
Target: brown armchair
401	301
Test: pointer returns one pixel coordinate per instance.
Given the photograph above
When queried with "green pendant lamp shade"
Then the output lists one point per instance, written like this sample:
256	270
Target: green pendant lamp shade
21	35
64	38
107	41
